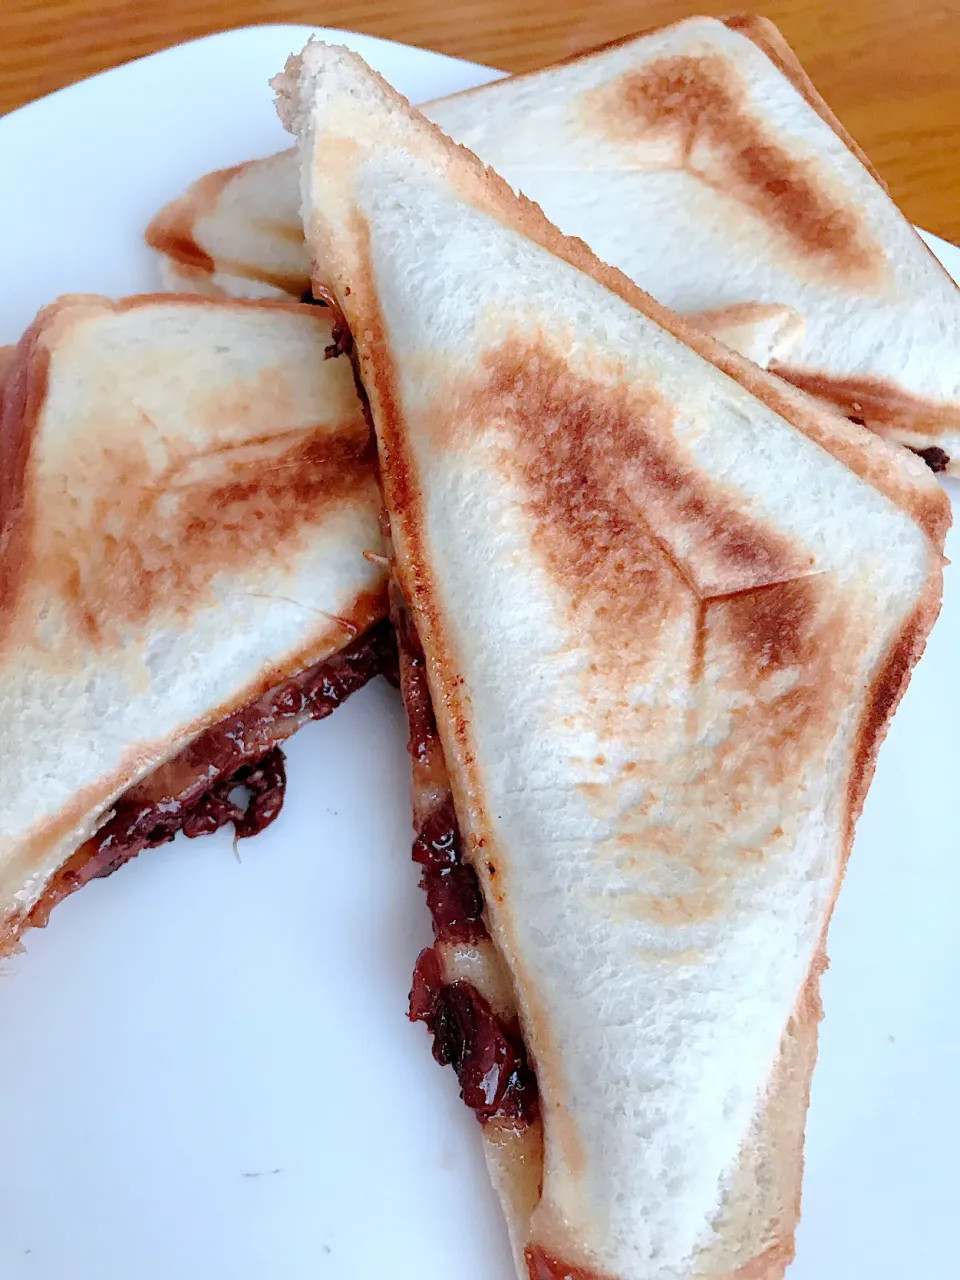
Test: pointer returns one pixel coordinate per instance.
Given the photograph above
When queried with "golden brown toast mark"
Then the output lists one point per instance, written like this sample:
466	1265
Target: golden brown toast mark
155	538
699	102
607	493
769	626
760	32
790	629
638	540
171	232
23	390
883	406
770	41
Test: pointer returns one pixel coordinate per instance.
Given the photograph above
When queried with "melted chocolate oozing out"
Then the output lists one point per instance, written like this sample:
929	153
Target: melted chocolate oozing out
485	1050
437	844
453	892
937	459
139	827
489	1058
427	985
488	1055
265	784
192	793
455	902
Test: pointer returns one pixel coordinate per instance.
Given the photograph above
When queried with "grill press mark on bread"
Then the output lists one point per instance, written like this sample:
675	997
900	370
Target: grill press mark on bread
173	233
766	36
890	411
699	105
155	535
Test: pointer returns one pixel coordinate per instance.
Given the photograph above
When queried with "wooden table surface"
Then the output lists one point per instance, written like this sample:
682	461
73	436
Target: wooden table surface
889	68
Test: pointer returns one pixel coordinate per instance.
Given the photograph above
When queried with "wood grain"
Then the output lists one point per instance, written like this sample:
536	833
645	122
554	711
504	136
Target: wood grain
889	68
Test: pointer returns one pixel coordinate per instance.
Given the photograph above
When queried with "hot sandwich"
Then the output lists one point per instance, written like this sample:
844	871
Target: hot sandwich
189	572
654	612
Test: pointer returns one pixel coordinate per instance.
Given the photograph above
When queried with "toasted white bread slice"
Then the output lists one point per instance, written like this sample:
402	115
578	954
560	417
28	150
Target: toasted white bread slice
236	233
664	628
700	160
188	492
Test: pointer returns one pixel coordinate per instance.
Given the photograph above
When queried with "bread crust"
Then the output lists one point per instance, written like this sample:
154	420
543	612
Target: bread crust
774	1151
768	37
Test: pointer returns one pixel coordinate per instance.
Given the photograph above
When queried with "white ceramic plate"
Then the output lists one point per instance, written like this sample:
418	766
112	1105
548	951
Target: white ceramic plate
206	1070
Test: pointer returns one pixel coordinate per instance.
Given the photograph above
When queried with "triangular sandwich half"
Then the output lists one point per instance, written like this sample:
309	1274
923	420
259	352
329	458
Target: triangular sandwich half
654	615
188	492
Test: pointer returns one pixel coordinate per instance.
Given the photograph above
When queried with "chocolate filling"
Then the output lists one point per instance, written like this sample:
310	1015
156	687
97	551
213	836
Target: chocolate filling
264	784
453	892
195	792
487	1054
935	458
485	1049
